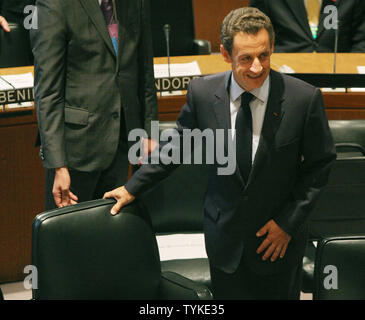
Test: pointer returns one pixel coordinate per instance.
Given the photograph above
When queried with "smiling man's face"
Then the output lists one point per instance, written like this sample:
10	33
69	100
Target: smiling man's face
250	58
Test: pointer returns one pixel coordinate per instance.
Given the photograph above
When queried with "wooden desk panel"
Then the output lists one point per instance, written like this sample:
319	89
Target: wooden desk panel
22	192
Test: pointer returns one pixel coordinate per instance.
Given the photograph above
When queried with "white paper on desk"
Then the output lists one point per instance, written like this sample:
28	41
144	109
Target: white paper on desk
361	70
17	81
177	69
181	246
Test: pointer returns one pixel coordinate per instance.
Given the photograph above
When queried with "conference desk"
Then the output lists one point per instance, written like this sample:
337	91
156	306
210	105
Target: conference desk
22	176
339	105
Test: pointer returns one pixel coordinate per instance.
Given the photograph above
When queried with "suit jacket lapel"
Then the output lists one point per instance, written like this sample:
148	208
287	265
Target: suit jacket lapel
221	104
221	107
298	9
92	8
273	115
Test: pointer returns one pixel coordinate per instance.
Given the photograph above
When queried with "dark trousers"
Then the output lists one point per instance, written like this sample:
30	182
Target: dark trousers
92	185
245	284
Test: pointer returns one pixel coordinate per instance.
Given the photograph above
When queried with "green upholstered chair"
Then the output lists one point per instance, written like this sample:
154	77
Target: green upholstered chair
15	49
83	252
340	207
176	209
340	268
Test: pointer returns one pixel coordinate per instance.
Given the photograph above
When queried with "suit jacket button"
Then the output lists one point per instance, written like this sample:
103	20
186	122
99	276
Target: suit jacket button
115	115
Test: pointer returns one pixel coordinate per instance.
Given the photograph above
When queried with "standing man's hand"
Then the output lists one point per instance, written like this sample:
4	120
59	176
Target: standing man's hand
275	243
122	196
61	188
4	24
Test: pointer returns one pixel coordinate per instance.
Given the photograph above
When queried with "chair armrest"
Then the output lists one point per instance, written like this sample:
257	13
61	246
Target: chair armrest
351	146
202	46
177	287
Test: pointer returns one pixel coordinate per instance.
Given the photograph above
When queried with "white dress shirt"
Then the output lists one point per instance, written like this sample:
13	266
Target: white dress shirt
257	105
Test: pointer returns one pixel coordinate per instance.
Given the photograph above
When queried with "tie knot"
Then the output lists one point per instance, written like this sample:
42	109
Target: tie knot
246	98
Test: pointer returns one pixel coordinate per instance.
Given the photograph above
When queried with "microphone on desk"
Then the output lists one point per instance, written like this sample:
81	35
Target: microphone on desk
336	46
166	30
332	10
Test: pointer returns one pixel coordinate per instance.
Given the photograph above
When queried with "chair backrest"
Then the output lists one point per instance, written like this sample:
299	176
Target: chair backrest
15	49
176	203
83	252
341	206
340	268
179	15
347	134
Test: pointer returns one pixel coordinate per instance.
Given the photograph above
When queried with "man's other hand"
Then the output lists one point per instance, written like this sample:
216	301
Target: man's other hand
61	188
4	24
147	146
275	243
122	196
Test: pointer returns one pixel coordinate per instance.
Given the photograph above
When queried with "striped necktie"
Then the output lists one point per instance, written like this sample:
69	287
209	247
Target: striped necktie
108	11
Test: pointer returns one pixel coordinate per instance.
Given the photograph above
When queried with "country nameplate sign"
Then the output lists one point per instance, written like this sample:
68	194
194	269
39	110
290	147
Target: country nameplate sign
173	83
16	95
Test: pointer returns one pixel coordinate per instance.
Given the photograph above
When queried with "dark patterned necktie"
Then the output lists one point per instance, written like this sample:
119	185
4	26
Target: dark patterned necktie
107	9
244	136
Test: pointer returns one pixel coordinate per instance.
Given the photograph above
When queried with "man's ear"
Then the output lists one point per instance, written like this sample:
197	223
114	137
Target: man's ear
225	54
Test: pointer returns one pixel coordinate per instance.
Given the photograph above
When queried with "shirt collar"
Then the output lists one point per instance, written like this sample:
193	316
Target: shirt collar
261	93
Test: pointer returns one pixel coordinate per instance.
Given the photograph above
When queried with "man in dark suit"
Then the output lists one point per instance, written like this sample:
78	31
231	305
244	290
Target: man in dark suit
293	31
255	220
94	83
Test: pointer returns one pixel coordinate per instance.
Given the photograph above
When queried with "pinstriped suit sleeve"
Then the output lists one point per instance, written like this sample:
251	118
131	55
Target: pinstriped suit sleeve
147	90
49	50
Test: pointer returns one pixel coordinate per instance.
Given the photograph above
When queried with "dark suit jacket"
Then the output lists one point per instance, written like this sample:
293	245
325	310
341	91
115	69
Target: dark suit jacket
291	165
293	34
82	87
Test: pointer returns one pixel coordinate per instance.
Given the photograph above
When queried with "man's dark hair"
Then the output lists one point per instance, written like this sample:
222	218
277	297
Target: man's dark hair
248	20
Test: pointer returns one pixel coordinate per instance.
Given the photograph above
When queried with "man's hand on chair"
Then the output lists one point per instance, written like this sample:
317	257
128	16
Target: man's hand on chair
4	24
122	196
